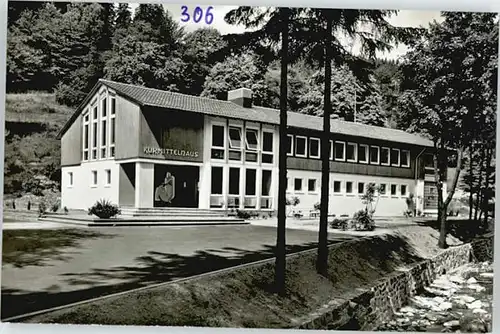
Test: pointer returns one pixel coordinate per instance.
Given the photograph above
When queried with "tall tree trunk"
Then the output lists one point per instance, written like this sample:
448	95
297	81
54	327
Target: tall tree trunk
280	267
471	188
479	183
322	260
440	166
486	198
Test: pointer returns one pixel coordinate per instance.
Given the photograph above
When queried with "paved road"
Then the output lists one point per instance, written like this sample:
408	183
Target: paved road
98	261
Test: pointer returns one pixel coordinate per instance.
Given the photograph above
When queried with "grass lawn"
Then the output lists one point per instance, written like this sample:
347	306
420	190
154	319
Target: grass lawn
31	247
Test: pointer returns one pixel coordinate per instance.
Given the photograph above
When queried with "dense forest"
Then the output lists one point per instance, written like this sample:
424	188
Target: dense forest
57	52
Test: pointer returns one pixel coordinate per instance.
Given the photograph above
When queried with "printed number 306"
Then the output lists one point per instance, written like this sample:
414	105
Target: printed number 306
197	15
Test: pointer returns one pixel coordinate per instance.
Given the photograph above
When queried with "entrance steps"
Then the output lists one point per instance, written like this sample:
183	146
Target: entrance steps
171	212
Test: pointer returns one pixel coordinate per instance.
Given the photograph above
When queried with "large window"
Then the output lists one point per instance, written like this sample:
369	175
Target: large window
363	153
340	150
289	146
374	155
395	157
235	144
218	142
405	158
267	147
300	146
385	156
314	148
351	152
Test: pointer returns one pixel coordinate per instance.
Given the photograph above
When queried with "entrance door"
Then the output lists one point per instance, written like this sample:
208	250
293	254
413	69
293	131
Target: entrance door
430	196
176	186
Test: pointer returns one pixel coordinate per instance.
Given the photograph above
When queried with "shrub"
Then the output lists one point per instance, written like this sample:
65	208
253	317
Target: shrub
363	221
340	223
317	206
104	209
55	206
66	210
42	209
243	214
293	201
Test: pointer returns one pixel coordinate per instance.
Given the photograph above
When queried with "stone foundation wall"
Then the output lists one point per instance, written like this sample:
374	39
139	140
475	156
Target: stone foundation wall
378	304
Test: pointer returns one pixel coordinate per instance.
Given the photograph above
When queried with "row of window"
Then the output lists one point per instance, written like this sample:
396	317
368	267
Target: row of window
393	190
309	147
93	179
255	145
99	128
234	196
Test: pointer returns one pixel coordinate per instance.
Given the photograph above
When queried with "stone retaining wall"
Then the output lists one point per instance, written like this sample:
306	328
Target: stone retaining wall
482	248
378	304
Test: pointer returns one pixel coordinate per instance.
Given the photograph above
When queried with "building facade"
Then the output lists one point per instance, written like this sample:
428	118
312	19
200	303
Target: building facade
146	148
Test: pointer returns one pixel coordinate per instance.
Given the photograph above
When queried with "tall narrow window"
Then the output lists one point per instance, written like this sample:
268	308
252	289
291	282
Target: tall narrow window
339	150
331	149
314	148
289	145
385	156
104	133
382	189
351	152
86	137
216	198
267	147
112	136
104	107
108	177
374	155
405	158
70	179
250	191
234	181
94	132
113	106
395	157
363	153
265	200
94	178
218	142
300	146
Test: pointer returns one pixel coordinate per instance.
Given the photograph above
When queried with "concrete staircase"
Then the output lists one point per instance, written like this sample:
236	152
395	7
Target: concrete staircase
171	212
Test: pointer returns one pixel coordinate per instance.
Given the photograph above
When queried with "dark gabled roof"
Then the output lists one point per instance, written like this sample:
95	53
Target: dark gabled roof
164	99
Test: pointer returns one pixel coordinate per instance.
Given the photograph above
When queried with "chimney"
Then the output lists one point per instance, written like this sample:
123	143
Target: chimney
240	96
